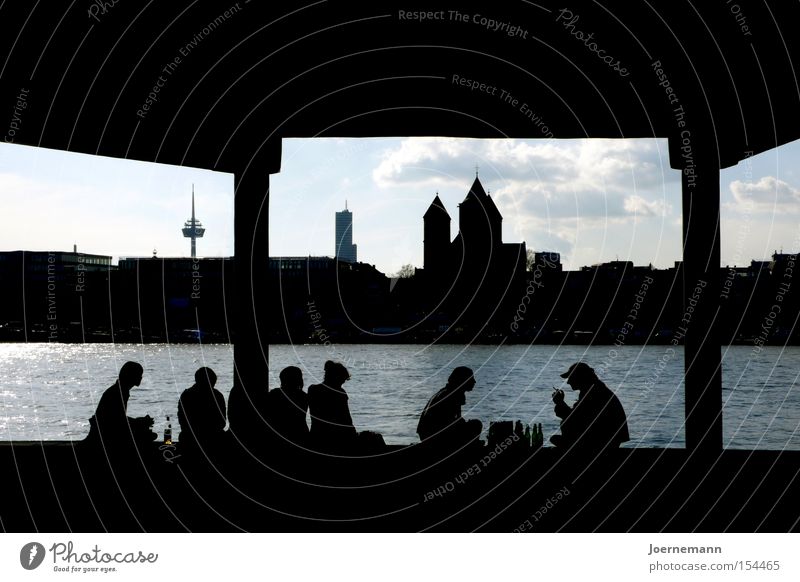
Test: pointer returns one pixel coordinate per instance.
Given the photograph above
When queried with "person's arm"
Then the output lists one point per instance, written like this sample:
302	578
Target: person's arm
562	409
348	418
220	399
111	414
181	414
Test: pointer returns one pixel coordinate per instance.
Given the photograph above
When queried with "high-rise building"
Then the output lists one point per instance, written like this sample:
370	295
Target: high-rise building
345	250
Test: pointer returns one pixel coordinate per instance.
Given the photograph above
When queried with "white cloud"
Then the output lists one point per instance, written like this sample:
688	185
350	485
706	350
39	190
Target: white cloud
640	207
561	166
768	194
569	196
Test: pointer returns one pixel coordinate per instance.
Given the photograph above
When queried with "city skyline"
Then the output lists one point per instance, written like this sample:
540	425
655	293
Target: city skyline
592	201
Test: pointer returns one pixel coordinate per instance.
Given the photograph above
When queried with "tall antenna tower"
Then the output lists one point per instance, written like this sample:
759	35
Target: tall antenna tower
193	229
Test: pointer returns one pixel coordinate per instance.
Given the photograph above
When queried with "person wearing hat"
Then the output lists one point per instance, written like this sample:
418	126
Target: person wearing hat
441	419
597	420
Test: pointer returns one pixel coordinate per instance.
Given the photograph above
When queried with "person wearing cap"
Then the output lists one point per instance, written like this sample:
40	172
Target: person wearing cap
597	420
441	419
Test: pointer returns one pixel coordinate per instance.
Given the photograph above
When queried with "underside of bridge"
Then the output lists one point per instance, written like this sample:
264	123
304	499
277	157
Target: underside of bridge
218	86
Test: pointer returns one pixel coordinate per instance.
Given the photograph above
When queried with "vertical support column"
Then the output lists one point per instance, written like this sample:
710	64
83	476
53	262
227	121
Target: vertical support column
701	266
251	264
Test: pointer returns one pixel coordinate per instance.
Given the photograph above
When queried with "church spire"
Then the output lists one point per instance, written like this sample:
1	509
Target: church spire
436	209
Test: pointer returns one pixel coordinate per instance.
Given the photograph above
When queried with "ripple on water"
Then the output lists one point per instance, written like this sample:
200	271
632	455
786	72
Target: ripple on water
44	384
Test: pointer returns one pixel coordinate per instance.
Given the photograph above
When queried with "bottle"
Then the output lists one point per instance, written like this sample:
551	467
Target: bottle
168	433
540	437
518	429
528	435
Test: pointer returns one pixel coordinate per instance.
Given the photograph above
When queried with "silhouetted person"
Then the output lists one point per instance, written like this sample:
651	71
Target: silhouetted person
332	427
287	407
247	416
110	423
441	421
596	421
201	413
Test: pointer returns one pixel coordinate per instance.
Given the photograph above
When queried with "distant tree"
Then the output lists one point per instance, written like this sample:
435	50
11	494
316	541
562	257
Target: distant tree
405	272
531	260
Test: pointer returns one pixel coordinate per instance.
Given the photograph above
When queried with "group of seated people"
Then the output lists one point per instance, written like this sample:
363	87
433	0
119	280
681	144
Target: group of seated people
278	416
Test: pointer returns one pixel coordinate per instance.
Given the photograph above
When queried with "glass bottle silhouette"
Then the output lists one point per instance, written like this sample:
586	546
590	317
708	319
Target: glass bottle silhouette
168	433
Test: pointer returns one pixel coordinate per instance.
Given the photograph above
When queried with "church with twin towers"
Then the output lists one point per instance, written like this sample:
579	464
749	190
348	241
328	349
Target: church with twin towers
475	269
465	275
479	241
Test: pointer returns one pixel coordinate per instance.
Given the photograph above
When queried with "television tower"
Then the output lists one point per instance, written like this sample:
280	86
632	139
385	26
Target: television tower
193	229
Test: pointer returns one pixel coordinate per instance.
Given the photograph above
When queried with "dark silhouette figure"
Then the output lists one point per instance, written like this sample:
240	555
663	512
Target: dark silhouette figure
473	270
247	416
287	407
596	421
110	423
332	427
441	420
201	413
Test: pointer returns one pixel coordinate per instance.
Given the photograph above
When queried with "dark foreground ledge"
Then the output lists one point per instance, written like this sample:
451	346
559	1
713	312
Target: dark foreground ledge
61	486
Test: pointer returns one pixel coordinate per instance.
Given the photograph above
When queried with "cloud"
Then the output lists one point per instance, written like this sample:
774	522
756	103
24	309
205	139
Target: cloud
768	194
559	195
562	166
638	206
602	178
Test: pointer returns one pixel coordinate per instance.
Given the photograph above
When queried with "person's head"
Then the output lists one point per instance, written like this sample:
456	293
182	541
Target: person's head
205	377
335	373
461	379
291	377
130	375
580	376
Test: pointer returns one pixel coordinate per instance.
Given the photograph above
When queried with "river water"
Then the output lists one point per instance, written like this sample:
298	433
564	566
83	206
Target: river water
49	391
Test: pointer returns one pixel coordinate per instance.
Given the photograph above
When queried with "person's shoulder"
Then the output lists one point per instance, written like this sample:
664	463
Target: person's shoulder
112	391
441	394
601	389
609	393
188	393
317	389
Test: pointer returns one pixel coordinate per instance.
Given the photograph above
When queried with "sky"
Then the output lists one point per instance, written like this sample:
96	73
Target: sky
590	200
52	200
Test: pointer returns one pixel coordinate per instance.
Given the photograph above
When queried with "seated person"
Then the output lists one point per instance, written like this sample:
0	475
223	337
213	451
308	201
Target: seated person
287	407
597	420
332	427
441	419
247	417
201	413
110	423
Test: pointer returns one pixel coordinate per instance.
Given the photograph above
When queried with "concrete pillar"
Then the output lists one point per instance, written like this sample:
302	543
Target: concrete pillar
701	267
251	264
